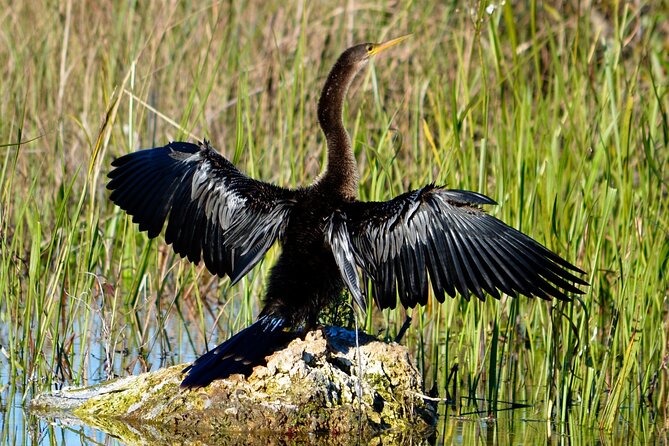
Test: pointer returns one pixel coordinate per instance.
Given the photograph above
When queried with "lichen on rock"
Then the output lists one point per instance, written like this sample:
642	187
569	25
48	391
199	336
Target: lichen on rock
311	386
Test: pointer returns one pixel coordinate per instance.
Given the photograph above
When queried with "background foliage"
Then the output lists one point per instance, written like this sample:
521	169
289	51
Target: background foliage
556	111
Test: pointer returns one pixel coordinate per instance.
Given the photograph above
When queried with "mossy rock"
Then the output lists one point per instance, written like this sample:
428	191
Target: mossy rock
308	388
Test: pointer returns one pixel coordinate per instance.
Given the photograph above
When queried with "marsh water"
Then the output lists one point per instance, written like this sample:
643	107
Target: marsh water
518	427
462	423
20	427
157	334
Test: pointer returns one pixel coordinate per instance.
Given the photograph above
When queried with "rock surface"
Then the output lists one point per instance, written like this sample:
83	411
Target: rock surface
311	386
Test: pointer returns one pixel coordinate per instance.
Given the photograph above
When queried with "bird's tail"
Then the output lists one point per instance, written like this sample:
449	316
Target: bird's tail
240	353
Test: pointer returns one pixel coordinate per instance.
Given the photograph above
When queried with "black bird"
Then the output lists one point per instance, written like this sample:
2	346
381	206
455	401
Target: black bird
217	214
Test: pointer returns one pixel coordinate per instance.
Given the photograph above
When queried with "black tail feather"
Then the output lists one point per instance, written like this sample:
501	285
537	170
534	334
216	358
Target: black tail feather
239	354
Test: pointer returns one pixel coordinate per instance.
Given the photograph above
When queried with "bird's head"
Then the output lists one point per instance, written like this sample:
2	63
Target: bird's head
350	62
359	55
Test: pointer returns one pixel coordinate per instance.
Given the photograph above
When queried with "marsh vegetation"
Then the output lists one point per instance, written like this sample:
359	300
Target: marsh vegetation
561	115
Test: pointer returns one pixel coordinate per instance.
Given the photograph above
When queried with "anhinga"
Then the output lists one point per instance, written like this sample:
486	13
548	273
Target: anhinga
216	213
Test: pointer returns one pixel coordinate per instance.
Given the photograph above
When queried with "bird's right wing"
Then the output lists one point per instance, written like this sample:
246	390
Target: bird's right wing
214	212
445	234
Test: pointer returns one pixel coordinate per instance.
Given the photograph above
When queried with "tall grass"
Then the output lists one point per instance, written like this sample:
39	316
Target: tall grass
560	115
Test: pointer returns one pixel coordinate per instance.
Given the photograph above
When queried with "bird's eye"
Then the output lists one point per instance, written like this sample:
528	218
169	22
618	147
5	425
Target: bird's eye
370	47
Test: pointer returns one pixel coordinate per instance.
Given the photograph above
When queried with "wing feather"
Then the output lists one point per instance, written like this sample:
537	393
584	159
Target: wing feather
442	236
213	212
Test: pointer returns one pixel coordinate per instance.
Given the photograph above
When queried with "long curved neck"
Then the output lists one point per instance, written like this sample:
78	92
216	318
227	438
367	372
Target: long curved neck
341	171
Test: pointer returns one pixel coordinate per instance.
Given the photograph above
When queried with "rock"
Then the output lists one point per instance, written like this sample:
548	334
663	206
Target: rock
311	386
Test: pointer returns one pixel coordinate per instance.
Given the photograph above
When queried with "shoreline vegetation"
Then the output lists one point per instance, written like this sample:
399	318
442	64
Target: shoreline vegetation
560	115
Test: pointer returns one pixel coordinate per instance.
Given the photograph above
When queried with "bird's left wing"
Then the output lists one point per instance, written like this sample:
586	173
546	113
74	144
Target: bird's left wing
444	234
214	212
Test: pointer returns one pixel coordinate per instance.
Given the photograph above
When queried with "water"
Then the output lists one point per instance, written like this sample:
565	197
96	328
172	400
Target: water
128	353
173	344
20	427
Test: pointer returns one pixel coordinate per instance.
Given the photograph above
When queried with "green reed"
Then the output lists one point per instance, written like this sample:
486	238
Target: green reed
559	116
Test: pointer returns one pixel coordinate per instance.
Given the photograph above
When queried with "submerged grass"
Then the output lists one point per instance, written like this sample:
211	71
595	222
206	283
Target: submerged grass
560	115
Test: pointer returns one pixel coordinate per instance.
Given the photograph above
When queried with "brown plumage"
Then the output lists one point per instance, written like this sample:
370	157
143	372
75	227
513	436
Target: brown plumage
429	236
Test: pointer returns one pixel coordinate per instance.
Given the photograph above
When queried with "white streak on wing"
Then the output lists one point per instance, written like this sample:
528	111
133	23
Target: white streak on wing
200	184
232	207
341	247
234	201
271	323
194	158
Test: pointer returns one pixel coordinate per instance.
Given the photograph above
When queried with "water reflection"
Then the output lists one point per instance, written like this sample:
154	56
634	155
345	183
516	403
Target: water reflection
517	429
96	356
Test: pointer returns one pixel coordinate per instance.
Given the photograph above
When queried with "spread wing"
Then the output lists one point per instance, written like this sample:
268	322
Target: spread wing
442	234
214	212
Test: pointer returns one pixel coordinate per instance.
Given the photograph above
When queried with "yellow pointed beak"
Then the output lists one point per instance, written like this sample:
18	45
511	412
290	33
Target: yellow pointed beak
382	46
